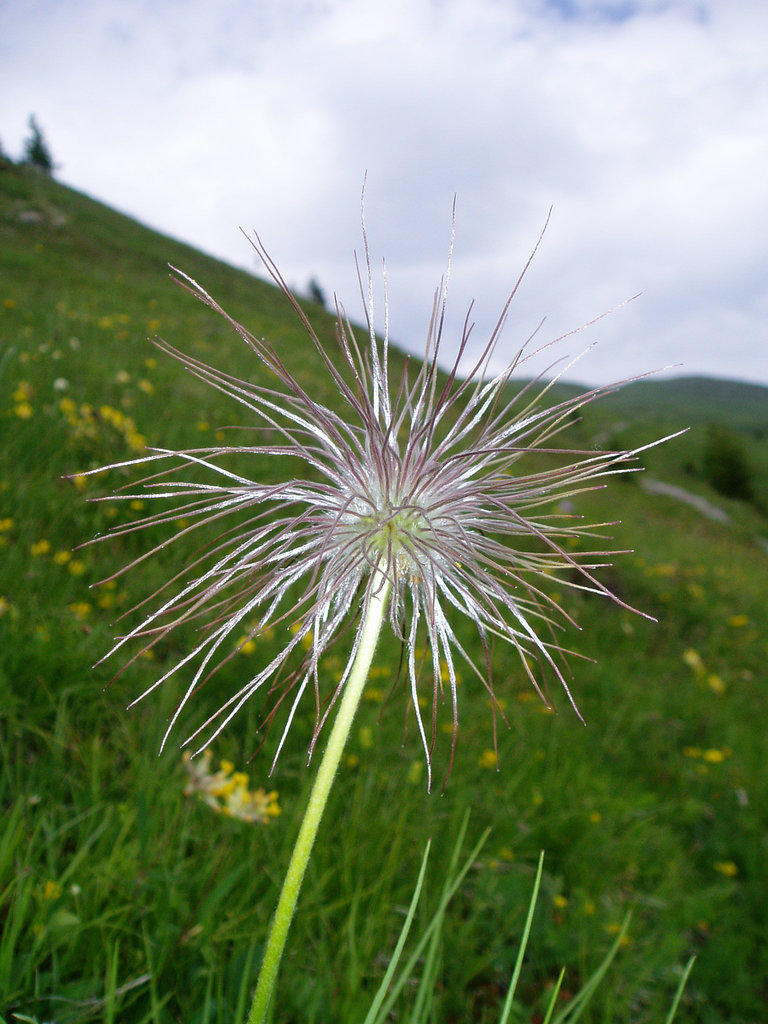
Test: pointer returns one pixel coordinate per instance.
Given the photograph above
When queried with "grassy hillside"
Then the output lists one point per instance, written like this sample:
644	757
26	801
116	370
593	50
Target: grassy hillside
723	416
123	899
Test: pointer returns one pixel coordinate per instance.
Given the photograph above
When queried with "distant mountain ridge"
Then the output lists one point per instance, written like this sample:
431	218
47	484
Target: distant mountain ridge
696	400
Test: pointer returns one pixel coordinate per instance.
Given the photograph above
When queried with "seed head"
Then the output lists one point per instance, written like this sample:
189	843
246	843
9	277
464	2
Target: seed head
421	476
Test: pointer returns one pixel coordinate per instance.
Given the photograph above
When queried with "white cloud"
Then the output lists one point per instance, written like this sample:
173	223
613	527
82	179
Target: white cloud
644	123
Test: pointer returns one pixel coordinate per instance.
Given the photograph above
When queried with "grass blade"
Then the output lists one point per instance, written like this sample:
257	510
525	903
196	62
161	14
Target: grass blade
451	885
371	1016
679	993
579	1003
523	943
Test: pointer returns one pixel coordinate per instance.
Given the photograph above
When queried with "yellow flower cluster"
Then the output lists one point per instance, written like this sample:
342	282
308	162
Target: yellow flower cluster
81	609
712	755
226	791
85	421
22	406
693	660
40	548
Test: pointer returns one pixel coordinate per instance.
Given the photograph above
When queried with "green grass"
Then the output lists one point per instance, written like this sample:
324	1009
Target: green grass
120	899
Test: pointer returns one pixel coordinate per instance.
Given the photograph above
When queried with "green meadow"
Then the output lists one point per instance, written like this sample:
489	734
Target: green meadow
123	899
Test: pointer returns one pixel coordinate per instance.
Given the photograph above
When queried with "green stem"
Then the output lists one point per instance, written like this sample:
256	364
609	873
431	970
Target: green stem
370	629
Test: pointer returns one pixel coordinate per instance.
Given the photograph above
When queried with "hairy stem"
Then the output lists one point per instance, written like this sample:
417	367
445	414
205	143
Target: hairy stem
370	628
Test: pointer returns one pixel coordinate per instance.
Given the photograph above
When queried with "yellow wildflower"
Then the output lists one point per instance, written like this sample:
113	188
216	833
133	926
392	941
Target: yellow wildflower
226	791
258	806
727	868
488	759
62	557
136	441
715	683
666	569
114	416
223	789
23	410
51	890
692	658
40	547
6	524
714	756
738	621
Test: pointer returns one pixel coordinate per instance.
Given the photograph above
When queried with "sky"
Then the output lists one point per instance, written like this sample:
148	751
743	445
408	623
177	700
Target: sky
641	124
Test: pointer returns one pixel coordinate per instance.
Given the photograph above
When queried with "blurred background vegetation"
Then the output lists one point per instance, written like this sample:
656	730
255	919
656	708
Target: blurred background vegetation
123	898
